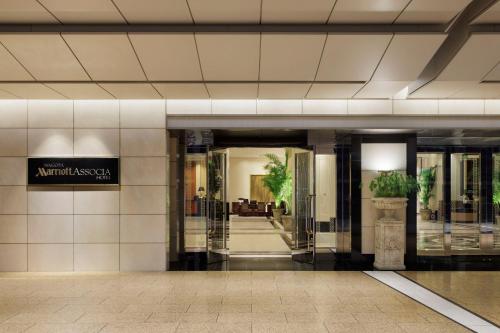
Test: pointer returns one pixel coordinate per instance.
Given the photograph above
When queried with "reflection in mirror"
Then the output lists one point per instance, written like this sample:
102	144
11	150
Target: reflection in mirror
195	214
430	204
465	172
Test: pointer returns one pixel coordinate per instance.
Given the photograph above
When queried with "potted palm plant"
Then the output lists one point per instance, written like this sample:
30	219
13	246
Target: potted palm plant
496	196
390	190
279	182
426	181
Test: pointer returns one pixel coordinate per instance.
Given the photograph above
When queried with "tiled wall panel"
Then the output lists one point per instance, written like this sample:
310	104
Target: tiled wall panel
80	228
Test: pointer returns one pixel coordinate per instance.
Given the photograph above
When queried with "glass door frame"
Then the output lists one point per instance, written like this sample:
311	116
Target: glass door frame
306	253
486	208
218	253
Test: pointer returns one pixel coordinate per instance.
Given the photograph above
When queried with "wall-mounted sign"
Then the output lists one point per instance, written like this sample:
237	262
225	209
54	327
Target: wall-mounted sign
73	171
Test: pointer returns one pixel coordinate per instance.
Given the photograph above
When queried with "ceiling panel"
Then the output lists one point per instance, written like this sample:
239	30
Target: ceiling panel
296	11
225	11
46	56
441	89
407	56
351	57
381	89
290	57
6	95
84	11
229	56
182	90
333	90
106	56
432	11
10	69
155	11
131	90
24	11
479	90
168	56
283	90
474	60
80	90
30	91
233	91
494	74
367	11
492	15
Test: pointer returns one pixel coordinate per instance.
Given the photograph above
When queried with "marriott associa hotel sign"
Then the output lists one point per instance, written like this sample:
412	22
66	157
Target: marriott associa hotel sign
73	171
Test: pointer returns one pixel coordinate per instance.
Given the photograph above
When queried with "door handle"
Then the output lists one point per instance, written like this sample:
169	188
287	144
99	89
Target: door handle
308	216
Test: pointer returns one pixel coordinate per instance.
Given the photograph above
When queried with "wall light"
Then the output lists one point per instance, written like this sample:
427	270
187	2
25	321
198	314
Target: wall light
383	156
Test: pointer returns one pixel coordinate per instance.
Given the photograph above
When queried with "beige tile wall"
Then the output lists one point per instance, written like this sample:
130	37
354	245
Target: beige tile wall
84	228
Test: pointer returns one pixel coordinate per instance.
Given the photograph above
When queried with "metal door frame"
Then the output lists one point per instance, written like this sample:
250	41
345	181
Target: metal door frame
217	255
307	255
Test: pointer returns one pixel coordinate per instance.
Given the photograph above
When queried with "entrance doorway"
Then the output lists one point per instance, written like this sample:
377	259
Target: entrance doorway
231	212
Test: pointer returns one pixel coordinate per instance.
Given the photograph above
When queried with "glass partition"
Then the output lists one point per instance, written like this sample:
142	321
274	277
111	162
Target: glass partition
195	210
465	195
430	204
495	227
326	202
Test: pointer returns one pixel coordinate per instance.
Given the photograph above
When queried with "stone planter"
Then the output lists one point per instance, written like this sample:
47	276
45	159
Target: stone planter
389	235
287	222
277	212
425	214
498	219
389	206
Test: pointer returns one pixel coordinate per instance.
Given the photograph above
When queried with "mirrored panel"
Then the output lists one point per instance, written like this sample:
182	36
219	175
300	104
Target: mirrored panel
430	204
495	226
465	215
195	210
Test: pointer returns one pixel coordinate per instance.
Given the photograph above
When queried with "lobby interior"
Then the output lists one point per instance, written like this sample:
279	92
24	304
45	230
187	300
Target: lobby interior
173	107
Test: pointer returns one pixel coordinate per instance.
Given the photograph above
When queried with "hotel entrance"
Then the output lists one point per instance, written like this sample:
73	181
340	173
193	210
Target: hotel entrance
264	201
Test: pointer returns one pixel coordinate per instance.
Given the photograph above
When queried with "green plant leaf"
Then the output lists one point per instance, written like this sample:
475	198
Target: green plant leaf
426	181
278	179
393	184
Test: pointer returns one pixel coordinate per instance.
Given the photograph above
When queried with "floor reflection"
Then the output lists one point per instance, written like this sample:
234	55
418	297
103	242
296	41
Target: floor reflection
437	238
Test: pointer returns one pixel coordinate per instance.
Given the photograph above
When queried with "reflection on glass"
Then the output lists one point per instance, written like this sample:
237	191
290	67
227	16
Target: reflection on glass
326	203
430	204
195	214
465	216
496	201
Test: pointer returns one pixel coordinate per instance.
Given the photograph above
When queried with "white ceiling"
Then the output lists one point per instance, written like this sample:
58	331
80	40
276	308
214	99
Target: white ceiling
226	57
287	57
476	62
240	65
492	15
106	56
286	65
231	11
167	57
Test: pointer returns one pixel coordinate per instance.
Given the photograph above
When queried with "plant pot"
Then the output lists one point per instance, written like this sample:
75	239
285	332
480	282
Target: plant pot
498	219
287	222
389	206
425	214
277	212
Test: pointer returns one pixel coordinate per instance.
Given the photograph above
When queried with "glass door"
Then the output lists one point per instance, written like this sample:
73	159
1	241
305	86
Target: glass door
217	215
304	236
465	202
195	203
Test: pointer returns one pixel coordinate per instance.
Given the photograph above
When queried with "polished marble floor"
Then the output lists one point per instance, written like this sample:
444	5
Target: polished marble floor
210	302
478	292
436	238
255	235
